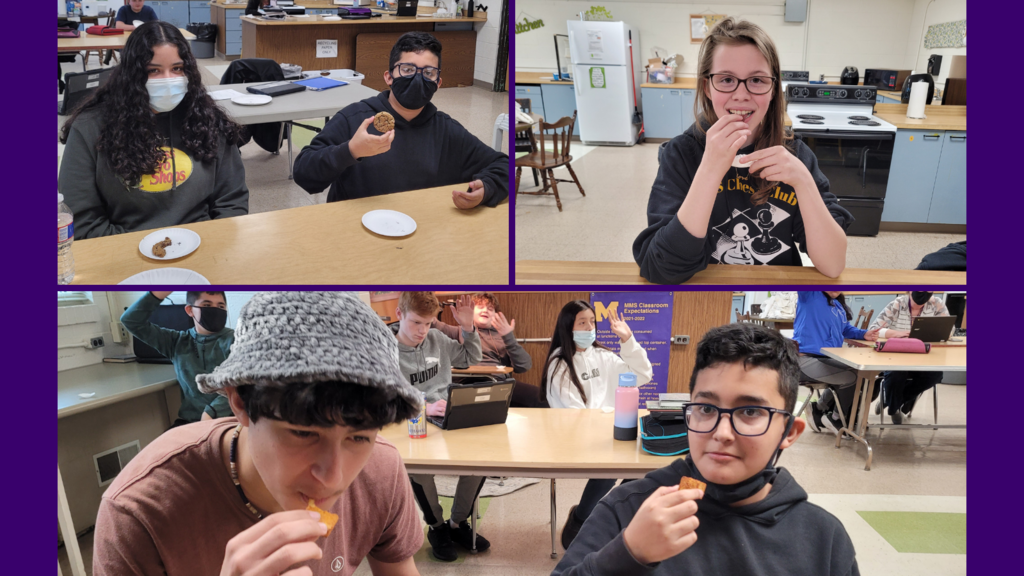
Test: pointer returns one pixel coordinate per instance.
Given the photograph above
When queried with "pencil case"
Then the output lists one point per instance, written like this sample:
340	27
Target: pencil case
663	437
908	345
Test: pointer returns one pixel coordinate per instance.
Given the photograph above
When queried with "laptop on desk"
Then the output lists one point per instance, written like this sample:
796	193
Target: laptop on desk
932	328
481	402
80	86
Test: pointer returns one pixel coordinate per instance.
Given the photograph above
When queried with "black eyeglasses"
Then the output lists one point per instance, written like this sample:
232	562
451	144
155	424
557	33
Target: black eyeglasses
429	72
729	83
745	420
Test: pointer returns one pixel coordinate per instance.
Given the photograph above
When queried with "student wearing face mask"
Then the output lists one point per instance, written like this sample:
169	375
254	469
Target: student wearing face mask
580	373
426	148
150	148
901	390
192	352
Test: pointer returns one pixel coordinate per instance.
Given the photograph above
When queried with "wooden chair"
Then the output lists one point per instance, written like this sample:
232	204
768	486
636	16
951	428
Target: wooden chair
866	316
748	318
100	53
524	140
546	161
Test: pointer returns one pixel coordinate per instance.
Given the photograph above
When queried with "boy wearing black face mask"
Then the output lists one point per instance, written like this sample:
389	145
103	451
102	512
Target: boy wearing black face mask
753	517
195	351
426	148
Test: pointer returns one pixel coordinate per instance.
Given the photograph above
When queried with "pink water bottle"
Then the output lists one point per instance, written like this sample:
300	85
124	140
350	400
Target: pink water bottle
627	405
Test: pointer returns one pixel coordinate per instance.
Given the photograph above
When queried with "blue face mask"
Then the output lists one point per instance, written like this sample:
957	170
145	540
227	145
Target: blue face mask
166	93
584	338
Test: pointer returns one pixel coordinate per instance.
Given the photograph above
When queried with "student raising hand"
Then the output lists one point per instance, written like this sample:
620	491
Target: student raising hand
502	325
274	545
364	144
619	326
464	312
665	525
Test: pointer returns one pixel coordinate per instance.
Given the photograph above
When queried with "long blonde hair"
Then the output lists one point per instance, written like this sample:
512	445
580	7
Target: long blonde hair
733	32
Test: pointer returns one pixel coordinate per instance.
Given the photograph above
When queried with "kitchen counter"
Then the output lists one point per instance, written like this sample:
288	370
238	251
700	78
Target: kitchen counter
539	78
679	83
938	117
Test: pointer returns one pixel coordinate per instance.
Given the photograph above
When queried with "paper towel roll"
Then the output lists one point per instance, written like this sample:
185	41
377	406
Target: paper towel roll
918	93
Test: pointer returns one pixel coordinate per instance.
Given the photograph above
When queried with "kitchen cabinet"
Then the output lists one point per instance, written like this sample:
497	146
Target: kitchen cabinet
668	112
199	11
915	163
172	11
949	199
233	32
559	102
531	92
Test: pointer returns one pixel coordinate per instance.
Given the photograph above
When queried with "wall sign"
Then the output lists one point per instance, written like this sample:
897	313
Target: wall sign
649	316
326	48
598	13
525	24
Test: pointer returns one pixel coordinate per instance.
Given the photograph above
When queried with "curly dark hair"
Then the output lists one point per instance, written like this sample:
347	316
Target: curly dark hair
129	136
753	346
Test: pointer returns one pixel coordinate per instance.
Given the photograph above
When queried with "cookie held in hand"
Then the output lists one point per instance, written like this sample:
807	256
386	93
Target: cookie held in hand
383	122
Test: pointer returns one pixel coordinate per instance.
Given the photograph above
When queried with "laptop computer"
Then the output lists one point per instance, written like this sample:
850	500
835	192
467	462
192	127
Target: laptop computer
279	88
80	86
932	328
407	7
173	317
479	403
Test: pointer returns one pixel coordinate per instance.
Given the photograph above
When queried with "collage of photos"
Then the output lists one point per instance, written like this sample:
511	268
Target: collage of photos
322	311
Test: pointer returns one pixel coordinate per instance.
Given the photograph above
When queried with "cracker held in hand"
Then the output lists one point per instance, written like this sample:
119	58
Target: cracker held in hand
326	517
687	483
383	122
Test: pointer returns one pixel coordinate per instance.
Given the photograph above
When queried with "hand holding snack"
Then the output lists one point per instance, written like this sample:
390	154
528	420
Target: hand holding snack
364	144
326	517
274	545
664	526
778	164
724	139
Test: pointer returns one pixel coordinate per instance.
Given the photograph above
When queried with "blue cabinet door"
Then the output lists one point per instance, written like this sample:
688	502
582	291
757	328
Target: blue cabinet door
688	98
663	111
737	301
949	200
531	92
559	102
174	12
915	162
199	11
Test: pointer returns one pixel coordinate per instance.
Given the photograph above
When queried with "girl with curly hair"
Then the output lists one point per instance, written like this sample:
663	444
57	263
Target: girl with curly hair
735	188
150	148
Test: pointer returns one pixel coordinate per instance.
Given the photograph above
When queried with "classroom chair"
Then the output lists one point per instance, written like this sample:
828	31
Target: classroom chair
879	406
864	318
814	391
546	162
748	318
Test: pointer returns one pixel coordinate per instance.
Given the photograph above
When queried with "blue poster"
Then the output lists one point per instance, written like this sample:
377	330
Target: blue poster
649	316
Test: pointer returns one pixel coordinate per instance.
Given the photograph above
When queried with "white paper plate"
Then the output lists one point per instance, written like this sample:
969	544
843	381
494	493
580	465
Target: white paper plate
389	223
252	99
184	242
166	277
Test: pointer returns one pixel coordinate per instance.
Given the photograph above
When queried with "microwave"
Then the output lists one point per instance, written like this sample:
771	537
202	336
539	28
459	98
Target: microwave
886	79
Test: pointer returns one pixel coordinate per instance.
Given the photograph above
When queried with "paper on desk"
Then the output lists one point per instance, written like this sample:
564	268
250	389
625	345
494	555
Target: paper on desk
225	94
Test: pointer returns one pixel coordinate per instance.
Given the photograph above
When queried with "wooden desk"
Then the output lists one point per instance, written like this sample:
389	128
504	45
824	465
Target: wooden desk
600	273
484	370
869	364
327	244
523	447
93	42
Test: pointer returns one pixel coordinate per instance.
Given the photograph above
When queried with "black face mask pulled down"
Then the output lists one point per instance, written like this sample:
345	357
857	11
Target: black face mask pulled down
732	493
212	319
413	92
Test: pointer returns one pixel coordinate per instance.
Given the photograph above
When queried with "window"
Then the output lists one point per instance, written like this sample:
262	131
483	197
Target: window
73	298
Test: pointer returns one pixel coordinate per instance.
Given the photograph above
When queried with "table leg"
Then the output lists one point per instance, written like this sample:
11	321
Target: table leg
859	413
290	127
67	529
472	523
554	553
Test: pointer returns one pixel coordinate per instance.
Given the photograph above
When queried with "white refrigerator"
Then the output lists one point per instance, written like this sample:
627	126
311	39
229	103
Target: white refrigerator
604	81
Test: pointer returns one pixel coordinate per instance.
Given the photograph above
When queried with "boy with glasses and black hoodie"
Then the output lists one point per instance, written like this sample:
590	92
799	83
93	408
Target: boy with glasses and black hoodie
424	149
752	518
192	352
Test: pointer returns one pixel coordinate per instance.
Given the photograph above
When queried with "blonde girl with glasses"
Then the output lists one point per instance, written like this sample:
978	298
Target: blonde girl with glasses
736	188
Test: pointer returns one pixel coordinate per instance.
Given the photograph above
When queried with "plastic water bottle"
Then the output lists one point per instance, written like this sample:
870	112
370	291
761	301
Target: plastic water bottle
65	237
627	405
418	424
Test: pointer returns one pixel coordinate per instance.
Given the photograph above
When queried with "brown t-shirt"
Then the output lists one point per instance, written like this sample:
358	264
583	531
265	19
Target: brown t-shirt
173	509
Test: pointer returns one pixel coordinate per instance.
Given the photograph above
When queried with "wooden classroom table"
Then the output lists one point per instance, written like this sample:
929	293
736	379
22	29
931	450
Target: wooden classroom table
523	447
484	370
870	363
96	42
326	244
600	273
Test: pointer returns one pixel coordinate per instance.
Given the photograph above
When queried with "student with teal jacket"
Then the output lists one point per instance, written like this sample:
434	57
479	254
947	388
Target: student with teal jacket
195	351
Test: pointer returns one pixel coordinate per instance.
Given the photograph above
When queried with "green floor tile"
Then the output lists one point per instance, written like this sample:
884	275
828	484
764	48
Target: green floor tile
921	532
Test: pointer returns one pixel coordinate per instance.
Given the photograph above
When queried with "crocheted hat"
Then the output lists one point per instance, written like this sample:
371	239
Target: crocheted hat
285	338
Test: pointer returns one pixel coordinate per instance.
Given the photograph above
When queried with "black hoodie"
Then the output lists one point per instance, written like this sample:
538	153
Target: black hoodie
668	254
431	150
782	534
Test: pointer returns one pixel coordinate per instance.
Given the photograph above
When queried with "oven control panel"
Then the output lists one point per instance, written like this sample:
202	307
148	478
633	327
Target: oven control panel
831	93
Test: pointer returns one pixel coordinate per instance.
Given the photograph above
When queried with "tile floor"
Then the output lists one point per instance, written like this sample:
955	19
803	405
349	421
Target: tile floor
914	471
602	226
267	174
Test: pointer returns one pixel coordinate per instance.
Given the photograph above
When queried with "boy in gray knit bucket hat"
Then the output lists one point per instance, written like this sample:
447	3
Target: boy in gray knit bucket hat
311	379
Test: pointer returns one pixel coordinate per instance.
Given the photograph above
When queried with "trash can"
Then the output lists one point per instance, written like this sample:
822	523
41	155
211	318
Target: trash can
206	35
